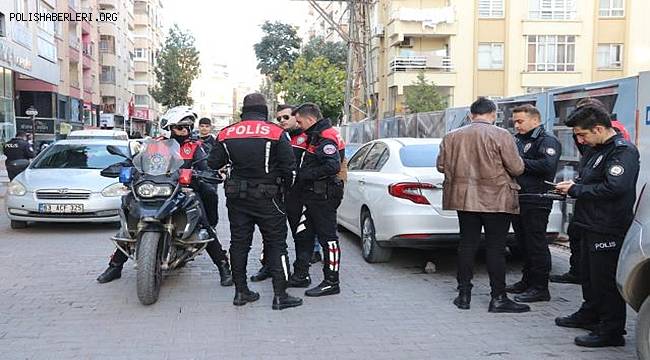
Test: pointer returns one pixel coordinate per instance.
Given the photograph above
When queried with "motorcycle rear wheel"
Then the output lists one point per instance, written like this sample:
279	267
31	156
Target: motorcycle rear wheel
149	277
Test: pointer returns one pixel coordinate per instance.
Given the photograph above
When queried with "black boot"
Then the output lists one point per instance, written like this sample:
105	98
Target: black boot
262	274
501	304
299	280
225	273
244	297
577	320
517	288
113	272
285	300
533	295
463	299
329	285
596	340
566	278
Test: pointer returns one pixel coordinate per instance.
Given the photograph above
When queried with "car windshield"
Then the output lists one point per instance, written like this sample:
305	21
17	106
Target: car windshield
73	156
422	155
158	157
76	137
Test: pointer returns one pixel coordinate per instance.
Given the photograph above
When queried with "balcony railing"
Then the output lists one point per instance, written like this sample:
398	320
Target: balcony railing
420	62
74	43
428	17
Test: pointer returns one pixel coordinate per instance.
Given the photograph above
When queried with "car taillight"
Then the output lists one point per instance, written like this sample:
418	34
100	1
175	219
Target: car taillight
185	177
410	191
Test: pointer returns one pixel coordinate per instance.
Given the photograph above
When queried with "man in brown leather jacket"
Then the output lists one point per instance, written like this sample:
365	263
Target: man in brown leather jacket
480	162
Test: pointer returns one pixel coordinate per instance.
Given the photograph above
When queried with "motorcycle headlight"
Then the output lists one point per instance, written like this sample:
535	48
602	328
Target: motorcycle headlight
15	188
116	189
149	190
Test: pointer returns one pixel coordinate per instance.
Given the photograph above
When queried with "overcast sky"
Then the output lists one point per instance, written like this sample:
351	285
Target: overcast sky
226	30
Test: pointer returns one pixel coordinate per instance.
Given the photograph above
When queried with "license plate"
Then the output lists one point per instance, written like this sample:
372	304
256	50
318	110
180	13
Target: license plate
61	208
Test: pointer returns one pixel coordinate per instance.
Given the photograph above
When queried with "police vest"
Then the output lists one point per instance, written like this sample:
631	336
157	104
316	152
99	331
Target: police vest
251	129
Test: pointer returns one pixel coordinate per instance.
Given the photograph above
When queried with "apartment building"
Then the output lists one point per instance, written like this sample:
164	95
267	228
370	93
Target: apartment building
148	38
117	69
212	94
314	24
50	66
502	47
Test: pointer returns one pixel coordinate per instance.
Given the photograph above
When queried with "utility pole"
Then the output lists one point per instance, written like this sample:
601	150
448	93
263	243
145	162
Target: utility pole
359	89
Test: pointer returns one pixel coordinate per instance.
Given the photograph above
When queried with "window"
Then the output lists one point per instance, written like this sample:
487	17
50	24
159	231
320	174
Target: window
372	161
490	9
490	56
142	100
552	9
610	56
108	75
357	160
419	155
140	54
77	157
551	53
3	32
611	8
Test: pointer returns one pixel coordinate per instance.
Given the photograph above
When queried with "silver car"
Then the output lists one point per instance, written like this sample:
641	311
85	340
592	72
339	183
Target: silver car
63	184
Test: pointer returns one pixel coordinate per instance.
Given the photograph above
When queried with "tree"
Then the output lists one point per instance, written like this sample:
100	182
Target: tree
335	52
267	89
315	81
279	45
177	66
423	96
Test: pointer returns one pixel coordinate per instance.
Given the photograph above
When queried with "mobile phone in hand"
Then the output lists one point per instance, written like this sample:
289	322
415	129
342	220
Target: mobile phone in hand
550	183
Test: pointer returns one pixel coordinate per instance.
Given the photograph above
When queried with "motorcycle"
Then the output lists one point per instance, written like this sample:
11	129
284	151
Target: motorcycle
163	221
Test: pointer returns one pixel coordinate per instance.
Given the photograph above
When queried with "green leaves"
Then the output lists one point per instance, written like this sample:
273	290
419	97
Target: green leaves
423	97
315	81
177	66
335	52
279	45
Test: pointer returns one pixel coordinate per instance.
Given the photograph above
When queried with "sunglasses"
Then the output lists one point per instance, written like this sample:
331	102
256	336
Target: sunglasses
175	127
285	117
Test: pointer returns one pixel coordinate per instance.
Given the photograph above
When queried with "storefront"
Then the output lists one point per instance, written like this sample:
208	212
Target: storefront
7	115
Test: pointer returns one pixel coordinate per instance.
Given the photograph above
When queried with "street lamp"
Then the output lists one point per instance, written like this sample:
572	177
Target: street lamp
32	112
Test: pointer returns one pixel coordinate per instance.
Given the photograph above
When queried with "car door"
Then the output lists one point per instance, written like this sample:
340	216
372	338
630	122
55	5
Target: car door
370	185
347	209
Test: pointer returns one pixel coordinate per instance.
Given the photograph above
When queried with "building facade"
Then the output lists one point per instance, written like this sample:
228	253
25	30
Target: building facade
212	94
502	48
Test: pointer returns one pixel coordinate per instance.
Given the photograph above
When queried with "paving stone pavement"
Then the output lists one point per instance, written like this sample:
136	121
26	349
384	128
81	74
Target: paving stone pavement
51	307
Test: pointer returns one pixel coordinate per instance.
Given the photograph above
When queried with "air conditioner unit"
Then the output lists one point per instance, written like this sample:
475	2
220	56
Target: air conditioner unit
378	30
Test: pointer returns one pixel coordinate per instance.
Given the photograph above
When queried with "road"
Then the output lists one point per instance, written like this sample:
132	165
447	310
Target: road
51	307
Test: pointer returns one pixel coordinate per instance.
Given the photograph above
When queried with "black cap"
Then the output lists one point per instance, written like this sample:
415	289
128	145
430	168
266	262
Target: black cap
255	104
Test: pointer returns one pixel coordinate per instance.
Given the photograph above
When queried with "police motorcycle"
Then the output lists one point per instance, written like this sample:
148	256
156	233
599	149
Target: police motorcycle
163	222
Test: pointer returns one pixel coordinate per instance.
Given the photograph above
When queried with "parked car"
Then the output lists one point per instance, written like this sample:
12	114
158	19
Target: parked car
63	184
98	134
633	272
393	198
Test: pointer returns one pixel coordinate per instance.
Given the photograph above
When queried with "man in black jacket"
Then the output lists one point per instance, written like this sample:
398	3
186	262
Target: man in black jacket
17	148
262	166
321	190
541	154
605	193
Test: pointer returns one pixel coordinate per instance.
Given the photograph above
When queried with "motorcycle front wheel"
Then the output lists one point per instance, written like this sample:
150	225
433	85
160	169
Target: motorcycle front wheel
149	275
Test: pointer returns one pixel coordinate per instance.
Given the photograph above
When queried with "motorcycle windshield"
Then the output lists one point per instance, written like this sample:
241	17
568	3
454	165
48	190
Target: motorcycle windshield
158	157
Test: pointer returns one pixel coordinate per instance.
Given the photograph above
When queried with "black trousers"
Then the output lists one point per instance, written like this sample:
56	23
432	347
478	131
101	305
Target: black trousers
602	301
12	171
301	230
574	245
270	217
530	232
496	227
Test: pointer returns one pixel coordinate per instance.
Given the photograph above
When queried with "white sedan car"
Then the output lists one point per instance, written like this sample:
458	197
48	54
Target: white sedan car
393	198
63	184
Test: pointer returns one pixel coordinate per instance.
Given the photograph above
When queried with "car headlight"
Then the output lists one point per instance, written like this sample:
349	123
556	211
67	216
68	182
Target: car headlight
116	189
149	190
15	188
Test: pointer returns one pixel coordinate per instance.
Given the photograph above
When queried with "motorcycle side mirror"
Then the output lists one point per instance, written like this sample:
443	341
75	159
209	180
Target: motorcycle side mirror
20	165
112	149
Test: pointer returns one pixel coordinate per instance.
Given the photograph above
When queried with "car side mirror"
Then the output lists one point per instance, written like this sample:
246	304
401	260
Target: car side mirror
112	171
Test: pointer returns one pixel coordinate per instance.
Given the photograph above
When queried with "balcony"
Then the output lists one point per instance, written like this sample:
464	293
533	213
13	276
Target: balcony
87	63
403	70
141	19
431	22
74	43
108	4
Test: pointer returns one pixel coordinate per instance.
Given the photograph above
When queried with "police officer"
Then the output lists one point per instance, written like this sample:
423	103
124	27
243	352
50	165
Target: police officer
17	148
541	154
262	165
180	121
205	134
605	194
321	191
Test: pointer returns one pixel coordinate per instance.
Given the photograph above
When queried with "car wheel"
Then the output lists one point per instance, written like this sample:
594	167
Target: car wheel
17	224
643	331
370	249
